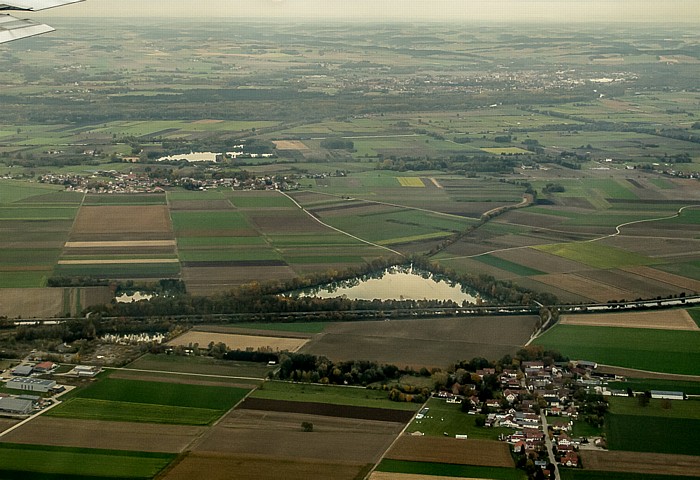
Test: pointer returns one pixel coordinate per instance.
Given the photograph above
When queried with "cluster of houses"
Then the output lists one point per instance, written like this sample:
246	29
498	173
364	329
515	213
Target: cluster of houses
535	392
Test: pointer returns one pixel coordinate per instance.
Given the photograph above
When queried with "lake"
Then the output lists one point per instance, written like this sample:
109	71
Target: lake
396	283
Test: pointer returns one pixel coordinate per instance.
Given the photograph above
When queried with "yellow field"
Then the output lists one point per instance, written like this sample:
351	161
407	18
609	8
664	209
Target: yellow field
239	342
663	320
410	181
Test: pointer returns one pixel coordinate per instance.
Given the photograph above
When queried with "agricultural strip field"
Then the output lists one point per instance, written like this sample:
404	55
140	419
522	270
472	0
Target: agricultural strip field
485	453
255	467
596	255
652	350
199	366
399	414
107	435
20	461
239	342
663	320
648	463
427	342
374	401
440	470
150	402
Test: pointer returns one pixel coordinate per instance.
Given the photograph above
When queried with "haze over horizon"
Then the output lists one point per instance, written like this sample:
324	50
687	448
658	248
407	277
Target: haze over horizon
576	11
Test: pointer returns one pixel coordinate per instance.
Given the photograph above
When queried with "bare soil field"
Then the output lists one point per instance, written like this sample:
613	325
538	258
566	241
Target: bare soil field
655	247
586	287
286	222
31	302
6	423
146	437
279	435
211	280
642	287
426	342
649	463
248	331
122	244
564	296
176	378
328	410
124	222
663	320
485	453
261	467
411	476
542	261
201	205
290	145
686	284
240	342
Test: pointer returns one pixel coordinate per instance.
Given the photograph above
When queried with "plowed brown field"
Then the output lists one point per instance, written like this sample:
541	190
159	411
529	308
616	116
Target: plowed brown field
485	453
259	467
664	320
147	437
649	463
123	221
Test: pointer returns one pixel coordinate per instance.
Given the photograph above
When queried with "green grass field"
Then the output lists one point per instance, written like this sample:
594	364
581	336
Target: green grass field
39	462
508	266
360	397
596	254
199	365
160	393
450	470
107	410
689	409
447	418
575	474
637	433
645	349
208	220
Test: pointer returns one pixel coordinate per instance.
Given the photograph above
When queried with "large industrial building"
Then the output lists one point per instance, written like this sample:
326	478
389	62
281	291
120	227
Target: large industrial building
16	406
31	384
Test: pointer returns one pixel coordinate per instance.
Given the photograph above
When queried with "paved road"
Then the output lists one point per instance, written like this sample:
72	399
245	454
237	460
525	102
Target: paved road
550	450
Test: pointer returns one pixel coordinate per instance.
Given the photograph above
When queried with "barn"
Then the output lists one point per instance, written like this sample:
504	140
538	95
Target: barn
15	406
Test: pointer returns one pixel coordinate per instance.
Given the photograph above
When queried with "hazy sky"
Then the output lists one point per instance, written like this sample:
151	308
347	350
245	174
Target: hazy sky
674	11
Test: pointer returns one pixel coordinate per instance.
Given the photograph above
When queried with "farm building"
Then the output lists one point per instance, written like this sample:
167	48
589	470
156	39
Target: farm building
664	395
31	384
15	406
22	371
85	371
44	367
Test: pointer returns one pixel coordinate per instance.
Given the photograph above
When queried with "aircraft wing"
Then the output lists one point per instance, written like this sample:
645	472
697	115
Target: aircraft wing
33	5
12	28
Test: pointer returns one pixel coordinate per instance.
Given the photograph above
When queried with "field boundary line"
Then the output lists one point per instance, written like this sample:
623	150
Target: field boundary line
207	375
398	437
339	230
618	230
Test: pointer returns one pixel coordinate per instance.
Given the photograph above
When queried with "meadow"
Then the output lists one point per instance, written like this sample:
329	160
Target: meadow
21	462
448	418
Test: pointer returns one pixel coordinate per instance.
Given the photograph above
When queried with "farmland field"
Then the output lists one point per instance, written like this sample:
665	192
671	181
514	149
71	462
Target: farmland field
198	365
440	470
107	435
239	342
664	320
19	461
644	349
432	342
485	453
330	395
648	463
